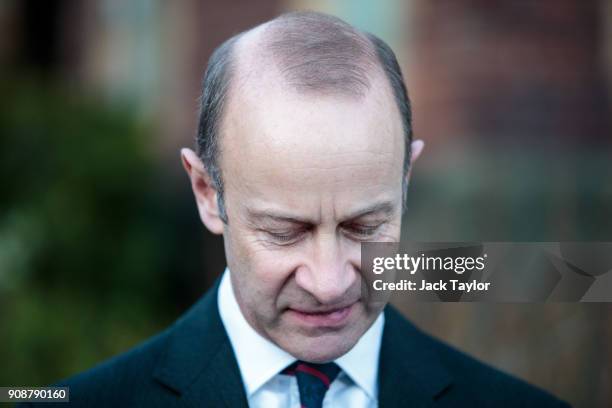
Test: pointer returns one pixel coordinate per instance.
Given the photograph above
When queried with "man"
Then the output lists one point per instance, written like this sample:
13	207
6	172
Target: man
304	151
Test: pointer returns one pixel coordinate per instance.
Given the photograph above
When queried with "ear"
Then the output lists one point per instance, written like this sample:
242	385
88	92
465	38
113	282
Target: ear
416	148
203	190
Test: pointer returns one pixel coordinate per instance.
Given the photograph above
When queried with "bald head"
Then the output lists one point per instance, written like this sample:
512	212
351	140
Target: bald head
309	53
319	53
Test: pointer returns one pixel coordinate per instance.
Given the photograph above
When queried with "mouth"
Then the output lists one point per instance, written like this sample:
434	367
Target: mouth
328	318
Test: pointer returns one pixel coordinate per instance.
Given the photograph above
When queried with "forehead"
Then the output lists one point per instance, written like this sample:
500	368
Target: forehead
290	148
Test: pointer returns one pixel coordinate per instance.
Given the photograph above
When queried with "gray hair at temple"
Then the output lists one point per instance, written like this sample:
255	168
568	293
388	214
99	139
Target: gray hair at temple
316	53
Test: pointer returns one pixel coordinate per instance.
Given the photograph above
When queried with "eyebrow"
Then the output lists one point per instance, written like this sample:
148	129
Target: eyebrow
384	207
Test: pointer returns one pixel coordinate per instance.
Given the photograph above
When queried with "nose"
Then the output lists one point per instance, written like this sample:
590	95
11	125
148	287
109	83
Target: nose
330	274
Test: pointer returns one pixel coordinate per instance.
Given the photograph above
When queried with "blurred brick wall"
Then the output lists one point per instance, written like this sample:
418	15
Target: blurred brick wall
513	69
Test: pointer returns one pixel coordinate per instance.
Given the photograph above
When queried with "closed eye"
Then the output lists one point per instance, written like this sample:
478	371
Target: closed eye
286	237
282	237
361	231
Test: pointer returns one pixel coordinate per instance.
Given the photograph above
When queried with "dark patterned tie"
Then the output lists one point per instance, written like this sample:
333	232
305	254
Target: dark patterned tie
313	381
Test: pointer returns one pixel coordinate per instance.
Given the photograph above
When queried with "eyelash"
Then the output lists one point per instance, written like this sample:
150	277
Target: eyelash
361	231
284	238
364	230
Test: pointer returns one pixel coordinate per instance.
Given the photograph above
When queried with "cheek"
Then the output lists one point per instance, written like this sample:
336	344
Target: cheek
262	270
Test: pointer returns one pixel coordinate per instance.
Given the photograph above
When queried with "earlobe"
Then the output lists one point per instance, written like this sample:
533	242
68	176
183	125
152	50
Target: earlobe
203	191
209	214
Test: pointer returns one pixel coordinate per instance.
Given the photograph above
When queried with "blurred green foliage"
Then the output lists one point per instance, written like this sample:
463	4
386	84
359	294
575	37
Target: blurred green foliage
82	257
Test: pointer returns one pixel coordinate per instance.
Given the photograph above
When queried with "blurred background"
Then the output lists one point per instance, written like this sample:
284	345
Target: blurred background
100	242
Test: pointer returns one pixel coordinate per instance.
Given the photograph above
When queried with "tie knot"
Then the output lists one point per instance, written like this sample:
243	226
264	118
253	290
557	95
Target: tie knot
313	381
325	373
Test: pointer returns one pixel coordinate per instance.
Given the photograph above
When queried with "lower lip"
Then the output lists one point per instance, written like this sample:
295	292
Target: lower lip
331	319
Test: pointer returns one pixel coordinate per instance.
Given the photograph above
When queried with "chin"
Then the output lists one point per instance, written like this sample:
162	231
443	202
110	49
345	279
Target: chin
320	349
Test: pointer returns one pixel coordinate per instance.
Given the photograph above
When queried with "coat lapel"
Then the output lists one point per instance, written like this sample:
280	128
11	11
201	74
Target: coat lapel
199	364
410	372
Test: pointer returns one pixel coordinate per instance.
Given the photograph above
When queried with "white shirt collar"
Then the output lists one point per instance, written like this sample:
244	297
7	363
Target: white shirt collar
260	360
361	362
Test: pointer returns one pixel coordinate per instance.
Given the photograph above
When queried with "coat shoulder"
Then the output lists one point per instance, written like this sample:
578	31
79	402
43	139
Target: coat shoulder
154	373
120	379
473	383
124	380
489	385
